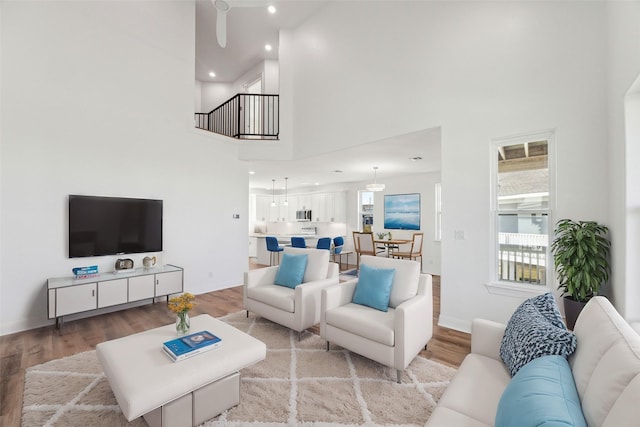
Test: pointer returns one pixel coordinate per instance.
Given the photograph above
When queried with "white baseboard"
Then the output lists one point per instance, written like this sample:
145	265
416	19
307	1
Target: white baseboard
454	323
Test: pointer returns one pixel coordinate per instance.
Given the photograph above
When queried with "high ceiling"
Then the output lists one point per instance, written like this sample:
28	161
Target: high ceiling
249	27
248	30
394	157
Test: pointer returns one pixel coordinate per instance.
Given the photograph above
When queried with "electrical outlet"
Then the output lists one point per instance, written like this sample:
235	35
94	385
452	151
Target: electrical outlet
458	235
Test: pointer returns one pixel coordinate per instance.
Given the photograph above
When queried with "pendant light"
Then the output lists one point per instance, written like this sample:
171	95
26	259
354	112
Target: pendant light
273	192
375	186
286	202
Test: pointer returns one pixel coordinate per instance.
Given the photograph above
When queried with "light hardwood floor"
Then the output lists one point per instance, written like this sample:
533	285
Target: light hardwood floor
22	350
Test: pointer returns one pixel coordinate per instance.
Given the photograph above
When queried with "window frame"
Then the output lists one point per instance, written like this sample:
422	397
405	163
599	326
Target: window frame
510	288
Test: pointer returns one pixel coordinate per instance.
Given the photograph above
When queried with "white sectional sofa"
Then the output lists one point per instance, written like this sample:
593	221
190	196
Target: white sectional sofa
605	367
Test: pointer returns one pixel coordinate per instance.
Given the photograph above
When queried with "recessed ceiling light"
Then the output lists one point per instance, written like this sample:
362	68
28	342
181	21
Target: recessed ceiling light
271	9
212	74
317	183
252	172
267	47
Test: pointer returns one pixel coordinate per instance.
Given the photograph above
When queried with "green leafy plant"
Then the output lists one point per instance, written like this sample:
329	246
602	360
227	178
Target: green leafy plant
581	256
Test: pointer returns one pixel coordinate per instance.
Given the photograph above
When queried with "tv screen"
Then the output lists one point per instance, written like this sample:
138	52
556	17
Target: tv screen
113	225
402	211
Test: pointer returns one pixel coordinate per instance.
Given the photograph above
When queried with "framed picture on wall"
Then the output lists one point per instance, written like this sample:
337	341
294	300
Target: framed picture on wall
402	211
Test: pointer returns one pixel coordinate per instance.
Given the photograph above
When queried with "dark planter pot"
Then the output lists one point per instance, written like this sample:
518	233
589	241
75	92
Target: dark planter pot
572	309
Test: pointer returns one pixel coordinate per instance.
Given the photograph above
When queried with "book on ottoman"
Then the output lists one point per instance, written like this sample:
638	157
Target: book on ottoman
184	347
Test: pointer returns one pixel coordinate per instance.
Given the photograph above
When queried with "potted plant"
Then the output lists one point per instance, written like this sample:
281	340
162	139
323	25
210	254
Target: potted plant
581	257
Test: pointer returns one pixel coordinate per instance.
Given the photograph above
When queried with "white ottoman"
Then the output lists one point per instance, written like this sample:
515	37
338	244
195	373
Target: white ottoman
187	393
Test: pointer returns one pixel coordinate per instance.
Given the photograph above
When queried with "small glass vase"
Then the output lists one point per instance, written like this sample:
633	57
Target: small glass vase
183	323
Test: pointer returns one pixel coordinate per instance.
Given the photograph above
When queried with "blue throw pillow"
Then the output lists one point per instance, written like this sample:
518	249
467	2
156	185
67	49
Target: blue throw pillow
374	287
542	394
291	270
534	330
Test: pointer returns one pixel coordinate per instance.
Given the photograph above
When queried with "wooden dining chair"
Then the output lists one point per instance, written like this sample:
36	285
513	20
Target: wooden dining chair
363	244
415	250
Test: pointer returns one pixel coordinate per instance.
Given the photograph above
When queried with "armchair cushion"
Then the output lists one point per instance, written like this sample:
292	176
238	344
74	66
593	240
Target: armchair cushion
374	287
291	270
405	279
374	325
281	297
317	262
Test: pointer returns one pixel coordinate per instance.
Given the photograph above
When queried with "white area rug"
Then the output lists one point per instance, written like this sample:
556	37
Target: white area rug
299	383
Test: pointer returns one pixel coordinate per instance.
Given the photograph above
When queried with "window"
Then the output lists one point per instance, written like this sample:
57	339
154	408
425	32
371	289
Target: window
521	199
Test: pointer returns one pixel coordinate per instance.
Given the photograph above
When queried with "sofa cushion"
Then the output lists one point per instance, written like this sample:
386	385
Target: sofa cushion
405	280
374	287
317	262
281	297
374	325
291	270
542	393
534	330
476	389
606	365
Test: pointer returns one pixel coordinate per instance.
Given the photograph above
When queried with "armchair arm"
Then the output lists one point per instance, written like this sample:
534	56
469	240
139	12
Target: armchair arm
334	270
260	276
486	338
308	301
335	296
413	328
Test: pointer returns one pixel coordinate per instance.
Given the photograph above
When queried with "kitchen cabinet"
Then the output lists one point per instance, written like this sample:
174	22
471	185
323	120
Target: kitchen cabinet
263	208
325	207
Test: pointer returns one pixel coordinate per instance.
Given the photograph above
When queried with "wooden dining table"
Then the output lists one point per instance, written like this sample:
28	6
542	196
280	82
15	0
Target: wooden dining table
390	243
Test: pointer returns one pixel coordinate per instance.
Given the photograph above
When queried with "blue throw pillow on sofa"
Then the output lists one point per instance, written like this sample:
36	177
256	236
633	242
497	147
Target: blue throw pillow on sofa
374	287
535	329
542	394
291	270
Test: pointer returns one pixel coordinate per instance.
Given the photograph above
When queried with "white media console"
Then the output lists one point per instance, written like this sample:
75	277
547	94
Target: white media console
68	295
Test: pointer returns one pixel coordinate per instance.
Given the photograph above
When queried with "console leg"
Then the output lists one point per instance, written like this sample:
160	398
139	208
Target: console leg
247	314
327	345
399	375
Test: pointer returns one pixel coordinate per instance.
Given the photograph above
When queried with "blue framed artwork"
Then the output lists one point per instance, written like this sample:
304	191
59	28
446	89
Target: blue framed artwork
402	211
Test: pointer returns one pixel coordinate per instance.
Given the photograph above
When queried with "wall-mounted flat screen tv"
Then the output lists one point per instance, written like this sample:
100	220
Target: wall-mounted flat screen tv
113	225
402	211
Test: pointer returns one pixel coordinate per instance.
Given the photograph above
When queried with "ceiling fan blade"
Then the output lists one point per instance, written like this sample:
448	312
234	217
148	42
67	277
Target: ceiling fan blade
221	28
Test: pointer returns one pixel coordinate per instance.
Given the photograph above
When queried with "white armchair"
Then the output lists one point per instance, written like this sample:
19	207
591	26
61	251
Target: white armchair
392	338
297	308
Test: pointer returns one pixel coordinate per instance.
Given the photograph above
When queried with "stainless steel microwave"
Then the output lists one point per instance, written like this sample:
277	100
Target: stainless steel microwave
303	215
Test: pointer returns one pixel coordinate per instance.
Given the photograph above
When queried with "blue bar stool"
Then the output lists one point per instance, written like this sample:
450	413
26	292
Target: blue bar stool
324	243
274	248
338	243
298	242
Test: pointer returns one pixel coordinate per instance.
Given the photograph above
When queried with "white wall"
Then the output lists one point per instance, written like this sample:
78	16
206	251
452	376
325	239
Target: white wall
479	70
97	98
214	94
623	62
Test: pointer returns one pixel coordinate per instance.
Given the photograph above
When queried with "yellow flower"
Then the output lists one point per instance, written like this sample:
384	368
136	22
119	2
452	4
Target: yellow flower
182	303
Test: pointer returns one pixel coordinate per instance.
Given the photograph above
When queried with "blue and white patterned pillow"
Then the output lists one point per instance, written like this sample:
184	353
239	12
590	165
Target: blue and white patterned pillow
535	329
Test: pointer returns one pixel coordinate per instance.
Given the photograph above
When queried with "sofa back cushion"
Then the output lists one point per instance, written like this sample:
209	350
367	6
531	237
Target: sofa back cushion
606	365
405	279
317	262
542	393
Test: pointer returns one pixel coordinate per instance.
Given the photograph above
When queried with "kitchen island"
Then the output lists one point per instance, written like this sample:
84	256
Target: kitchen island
262	254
